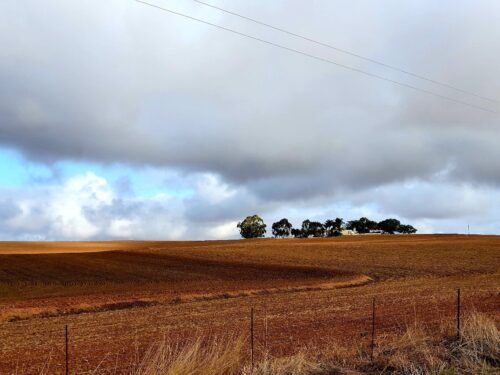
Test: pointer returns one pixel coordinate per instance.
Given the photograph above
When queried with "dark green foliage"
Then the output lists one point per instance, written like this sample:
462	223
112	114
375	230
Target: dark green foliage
390	226
363	225
306	230
252	227
297	233
334	228
312	229
282	228
317	229
407	229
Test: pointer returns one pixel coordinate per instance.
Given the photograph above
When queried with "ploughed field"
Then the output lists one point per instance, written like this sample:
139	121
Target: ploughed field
120	297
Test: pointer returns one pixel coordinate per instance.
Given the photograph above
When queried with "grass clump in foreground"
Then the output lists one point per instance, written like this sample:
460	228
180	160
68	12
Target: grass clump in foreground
416	352
420	352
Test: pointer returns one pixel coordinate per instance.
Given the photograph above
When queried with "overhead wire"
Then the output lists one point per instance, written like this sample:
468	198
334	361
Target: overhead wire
319	58
354	54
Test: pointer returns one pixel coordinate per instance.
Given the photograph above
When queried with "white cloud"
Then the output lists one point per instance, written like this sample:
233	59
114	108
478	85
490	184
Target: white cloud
85	206
225	230
211	189
123	228
65	209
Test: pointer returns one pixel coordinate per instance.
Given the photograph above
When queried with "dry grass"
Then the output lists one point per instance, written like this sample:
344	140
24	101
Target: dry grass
222	356
297	364
478	350
417	352
422	351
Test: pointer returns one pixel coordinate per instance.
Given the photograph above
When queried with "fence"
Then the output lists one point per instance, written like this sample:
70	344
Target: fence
84	345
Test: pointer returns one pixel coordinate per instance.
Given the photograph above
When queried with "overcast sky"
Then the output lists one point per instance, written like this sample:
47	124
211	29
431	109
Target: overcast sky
118	120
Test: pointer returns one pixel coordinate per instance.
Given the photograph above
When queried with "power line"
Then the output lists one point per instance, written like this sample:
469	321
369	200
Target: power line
319	58
378	62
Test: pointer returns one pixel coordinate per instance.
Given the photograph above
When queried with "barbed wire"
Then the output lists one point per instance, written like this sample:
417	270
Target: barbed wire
439	311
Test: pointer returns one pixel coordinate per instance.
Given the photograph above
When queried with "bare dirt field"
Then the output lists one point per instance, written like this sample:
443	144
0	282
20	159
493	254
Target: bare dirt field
118	298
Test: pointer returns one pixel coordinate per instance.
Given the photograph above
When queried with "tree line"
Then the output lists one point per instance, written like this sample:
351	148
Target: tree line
254	227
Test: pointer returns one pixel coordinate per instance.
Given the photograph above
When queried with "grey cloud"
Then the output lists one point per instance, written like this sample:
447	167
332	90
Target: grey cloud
199	211
151	89
8	210
234	107
431	200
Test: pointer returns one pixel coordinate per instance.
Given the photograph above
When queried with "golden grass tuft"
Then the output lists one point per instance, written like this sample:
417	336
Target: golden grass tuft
298	364
220	357
479	346
419	351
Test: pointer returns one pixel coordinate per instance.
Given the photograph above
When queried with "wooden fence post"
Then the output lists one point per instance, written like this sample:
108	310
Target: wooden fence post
373	329
458	313
265	330
251	336
66	350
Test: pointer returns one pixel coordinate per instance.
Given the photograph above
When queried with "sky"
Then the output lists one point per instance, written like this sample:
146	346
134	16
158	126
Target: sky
122	121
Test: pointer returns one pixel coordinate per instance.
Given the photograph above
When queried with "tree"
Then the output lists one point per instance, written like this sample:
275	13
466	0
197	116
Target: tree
312	228
390	226
316	229
306	230
363	225
309	228
252	227
339	223
297	233
282	228
334	227
407	229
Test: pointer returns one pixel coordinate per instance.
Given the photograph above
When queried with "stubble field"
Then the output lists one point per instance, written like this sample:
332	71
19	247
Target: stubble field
118	298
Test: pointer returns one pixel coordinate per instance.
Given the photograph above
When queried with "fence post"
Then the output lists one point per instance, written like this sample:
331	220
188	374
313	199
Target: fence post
66	350
251	336
373	329
458	313
265	330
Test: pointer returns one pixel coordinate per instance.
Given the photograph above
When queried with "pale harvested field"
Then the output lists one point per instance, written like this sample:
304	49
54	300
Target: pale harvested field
119	297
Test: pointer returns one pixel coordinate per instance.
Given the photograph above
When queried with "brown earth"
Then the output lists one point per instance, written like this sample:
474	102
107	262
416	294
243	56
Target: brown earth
118	297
